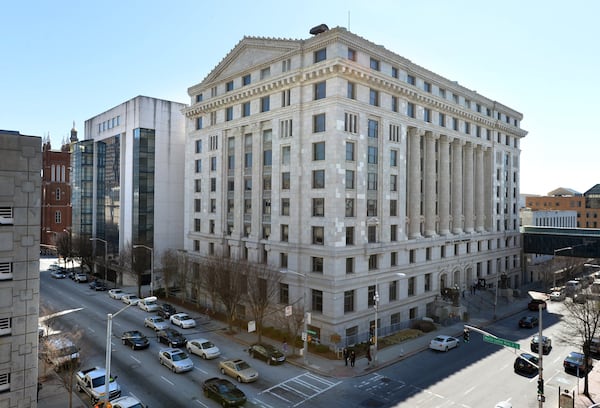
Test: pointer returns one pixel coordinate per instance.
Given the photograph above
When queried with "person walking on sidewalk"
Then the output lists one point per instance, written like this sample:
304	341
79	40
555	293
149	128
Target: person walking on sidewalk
346	355
352	358
369	355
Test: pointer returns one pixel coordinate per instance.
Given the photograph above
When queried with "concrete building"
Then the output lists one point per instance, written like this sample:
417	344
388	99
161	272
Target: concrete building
586	205
378	182
128	178
20	196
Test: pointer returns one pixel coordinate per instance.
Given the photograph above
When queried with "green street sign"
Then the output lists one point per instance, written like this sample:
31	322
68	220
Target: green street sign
501	342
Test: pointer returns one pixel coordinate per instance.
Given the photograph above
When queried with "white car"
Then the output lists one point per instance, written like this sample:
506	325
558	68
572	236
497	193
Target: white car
175	359
557	296
116	293
156	323
182	320
148	305
130	299
80	277
444	343
127	402
203	348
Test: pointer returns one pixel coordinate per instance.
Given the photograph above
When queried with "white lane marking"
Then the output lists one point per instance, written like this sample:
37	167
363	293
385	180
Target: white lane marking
92	330
136	360
201	403
201	370
469	390
261	403
166	380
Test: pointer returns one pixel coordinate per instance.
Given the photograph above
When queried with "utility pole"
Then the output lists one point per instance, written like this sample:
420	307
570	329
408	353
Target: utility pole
541	397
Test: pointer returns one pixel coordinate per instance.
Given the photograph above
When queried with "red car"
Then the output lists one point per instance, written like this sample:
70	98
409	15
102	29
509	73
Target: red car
535	304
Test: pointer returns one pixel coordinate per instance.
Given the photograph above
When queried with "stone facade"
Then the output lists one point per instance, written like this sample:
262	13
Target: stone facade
20	197
340	161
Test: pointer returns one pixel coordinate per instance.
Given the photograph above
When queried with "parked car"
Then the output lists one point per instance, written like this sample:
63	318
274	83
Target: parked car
238	369
182	320
266	352
443	343
224	392
166	310
580	298
116	293
97	285
595	346
526	363
80	277
149	305
155	322
56	274
130	299
557	296
135	339
535	304
528	322
575	363
546	344
171	337
175	360
127	402
203	348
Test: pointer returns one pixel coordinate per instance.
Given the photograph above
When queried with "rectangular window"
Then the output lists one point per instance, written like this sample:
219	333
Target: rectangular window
426	86
351	54
410	79
247	160
57	217
320	55
394	133
320	90
427	282
199	123
349	235
394	104
198	165
350	122
285	155
467	128
393	291
197	205
454	123
5	382
373	97
230	162
427	115
393	158
267	207
350	151
349	179
265	104
198	185
213	163
283	260
285	98
267	157
229	113
248	184
318	207
246	109
372	181
372	262
349	265
393	233
199	146
373	128
197	225
351	90
349	207
317	264
374	64
199	98
442	93
348	301
393	208
442	119
284	232
213	209
319	123
372	234
371	208
6	273
319	151
284	293
229	86
286	65
318	179
372	155
394	259
410	110
317	301
411	286
285	206
246	80
394	72
214	142
265	73
285	180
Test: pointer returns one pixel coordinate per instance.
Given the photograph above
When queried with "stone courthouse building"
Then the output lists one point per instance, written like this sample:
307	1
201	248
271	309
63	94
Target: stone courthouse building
368	180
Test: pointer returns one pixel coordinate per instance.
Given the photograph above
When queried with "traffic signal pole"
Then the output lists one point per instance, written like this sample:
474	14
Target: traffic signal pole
541	397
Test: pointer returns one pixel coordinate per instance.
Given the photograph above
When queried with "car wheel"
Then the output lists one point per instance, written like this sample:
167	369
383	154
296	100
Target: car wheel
159	360
173	368
206	393
204	356
224	404
239	379
223	371
252	354
132	346
171	345
79	389
123	341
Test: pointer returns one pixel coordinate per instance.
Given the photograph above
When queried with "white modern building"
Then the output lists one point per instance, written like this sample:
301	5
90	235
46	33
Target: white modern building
20	197
372	178
128	177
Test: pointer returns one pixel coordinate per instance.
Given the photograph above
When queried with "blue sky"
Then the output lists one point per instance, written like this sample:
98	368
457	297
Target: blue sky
66	61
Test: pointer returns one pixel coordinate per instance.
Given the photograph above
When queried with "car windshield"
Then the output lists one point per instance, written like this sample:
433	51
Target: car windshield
158	319
440	339
242	366
184	317
179	356
97	382
207	344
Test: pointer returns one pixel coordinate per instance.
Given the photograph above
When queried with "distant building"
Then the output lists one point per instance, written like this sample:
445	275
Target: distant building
587	205
381	182
56	194
20	196
127	177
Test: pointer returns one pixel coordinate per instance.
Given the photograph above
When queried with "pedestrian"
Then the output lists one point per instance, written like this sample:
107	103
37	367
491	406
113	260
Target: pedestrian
346	355
369	355
352	358
285	346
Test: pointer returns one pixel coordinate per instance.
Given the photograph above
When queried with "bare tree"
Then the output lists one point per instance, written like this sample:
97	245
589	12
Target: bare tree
170	266
263	288
582	326
228	284
64	246
84	251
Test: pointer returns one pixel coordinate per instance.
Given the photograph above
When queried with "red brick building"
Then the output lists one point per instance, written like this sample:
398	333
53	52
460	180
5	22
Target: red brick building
587	204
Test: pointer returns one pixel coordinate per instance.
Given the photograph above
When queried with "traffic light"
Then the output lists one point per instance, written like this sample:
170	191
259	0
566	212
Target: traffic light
466	335
540	386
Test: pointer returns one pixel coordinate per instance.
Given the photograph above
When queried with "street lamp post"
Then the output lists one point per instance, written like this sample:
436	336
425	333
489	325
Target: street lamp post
105	258
376	306
151	249
109	319
305	328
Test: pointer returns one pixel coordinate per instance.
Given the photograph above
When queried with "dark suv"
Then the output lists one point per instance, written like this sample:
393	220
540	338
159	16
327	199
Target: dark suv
171	337
526	364
166	310
575	363
546	344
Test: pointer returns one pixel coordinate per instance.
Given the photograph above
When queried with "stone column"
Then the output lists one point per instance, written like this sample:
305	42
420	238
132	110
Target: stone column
479	172
468	188
444	188
429	195
414	182
457	175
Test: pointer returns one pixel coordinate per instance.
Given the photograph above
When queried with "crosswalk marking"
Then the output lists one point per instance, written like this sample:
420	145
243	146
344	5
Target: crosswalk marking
297	390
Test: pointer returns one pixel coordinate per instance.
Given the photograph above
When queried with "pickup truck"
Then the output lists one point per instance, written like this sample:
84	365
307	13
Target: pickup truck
91	381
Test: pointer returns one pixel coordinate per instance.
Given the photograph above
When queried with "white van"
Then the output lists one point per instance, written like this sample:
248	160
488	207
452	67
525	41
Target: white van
61	351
